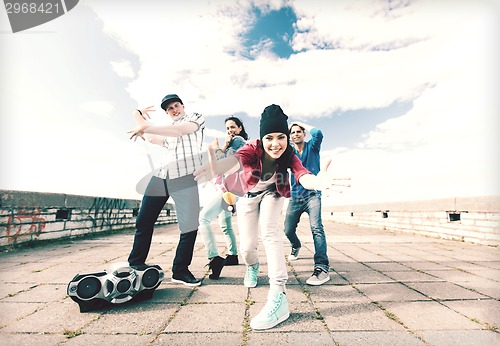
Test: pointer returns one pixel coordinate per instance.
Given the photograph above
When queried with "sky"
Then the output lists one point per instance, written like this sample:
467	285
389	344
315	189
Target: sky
405	92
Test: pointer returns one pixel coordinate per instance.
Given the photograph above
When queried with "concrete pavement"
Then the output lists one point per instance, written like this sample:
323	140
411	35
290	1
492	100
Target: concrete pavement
386	288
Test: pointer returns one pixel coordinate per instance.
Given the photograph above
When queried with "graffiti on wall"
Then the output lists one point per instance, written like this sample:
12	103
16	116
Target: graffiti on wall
24	223
106	212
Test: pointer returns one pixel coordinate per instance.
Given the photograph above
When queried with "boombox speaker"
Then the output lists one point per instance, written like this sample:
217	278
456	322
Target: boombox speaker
119	284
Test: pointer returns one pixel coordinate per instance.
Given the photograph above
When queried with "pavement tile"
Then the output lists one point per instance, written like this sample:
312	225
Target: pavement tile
10	289
290	338
362	255
219	294
136	318
40	294
487	264
389	292
198	318
444	290
472	267
487	288
456	276
412	276
36	310
370	338
207	339
429	316
14	311
8	339
399	257
368	276
484	311
345	316
461	337
109	340
336	293
387	266
171	293
425	265
349	267
52	318
492	274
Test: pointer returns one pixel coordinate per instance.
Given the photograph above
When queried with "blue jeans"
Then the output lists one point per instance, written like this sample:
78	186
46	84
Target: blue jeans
209	212
312	206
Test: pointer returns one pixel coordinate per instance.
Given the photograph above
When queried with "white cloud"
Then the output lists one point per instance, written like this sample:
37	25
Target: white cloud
123	68
442	57
100	108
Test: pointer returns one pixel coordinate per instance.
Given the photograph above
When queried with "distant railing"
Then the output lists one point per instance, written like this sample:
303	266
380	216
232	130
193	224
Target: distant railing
470	219
32	216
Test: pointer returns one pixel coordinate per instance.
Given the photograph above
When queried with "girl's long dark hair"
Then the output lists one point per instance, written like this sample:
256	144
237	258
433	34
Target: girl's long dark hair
239	123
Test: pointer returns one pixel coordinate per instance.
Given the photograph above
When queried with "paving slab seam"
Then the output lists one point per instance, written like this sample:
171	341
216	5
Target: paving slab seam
387	313
172	316
403	283
484	325
393	317
316	310
455	268
246	319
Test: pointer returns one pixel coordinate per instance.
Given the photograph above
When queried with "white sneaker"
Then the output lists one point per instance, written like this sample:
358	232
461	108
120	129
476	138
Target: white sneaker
274	312
251	275
318	277
294	254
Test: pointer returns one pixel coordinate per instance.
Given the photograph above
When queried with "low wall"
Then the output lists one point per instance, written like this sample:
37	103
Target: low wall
471	219
32	216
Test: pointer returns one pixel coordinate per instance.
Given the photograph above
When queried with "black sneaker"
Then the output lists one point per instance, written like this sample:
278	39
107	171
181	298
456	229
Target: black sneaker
294	254
232	260
216	264
186	278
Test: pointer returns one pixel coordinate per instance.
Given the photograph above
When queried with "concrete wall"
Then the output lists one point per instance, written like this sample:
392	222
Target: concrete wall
471	219
31	216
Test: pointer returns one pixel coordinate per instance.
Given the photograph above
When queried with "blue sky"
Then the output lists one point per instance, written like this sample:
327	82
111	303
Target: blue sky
275	29
406	95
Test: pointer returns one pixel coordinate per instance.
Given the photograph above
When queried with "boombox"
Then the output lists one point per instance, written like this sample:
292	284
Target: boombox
119	284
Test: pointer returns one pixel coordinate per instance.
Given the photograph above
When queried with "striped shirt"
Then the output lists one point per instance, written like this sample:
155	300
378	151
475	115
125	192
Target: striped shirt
184	153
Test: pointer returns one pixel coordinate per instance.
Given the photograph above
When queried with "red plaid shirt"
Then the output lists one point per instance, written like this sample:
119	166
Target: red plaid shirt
248	176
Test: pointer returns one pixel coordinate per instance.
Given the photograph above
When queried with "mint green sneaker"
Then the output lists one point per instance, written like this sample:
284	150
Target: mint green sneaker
274	312
251	275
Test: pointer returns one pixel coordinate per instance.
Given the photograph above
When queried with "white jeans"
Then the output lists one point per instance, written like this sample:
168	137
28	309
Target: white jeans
263	212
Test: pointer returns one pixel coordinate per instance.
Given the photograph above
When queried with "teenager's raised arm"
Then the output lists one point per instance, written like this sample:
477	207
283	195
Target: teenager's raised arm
216	167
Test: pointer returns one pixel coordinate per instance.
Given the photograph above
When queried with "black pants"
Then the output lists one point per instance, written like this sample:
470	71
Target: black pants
148	215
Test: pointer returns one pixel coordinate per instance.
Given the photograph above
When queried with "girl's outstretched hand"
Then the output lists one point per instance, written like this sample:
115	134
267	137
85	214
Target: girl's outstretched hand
327	181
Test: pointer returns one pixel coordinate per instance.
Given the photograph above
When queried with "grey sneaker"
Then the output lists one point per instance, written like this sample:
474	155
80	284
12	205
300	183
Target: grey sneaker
294	254
318	277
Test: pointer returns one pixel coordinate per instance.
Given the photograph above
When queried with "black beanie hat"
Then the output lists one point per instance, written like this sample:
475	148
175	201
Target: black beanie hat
273	120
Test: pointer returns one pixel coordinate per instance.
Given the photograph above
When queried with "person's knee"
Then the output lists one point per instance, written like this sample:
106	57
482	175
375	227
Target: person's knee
317	230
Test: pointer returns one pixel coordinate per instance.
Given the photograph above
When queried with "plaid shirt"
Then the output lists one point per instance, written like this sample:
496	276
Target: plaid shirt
184	153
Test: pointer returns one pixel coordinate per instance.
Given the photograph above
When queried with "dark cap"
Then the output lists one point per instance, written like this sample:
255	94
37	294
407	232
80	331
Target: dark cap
273	120
168	100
